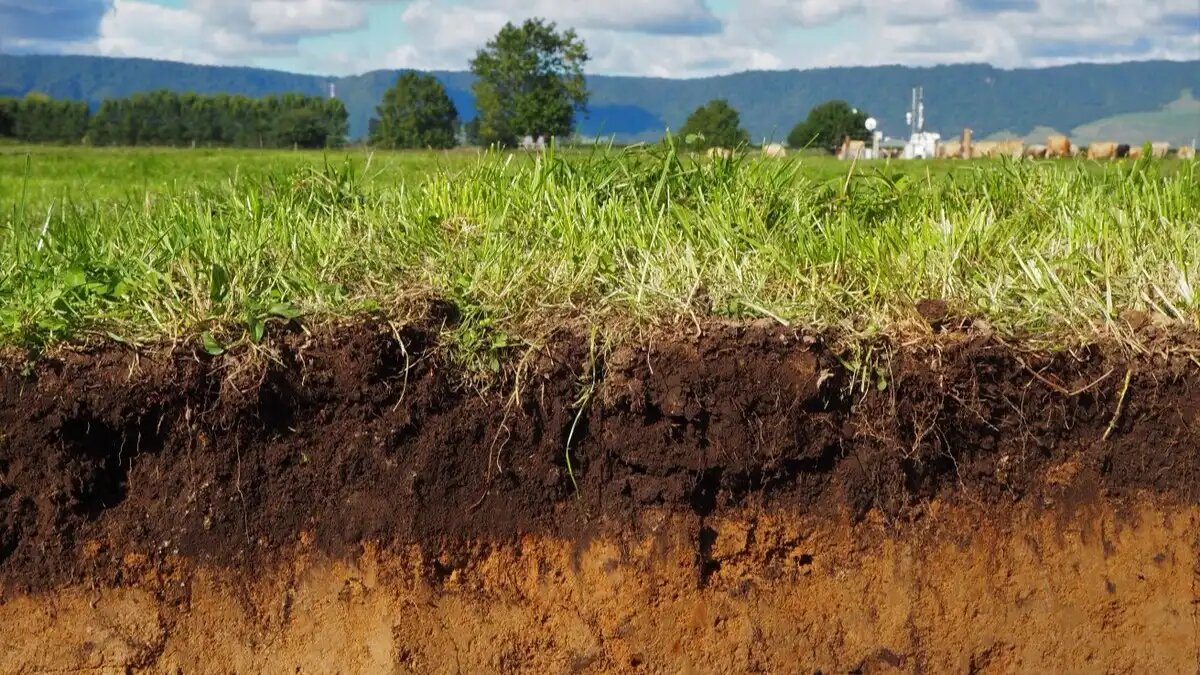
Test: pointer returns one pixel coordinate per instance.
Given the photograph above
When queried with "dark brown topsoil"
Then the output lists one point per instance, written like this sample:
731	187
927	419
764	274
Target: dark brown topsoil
359	433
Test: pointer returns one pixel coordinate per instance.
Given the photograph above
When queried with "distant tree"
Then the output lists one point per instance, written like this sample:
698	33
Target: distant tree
302	128
415	113
529	82
296	120
337	122
105	127
470	132
827	125
715	124
8	117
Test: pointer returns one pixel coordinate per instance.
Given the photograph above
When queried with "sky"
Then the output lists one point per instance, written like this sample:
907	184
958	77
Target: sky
665	38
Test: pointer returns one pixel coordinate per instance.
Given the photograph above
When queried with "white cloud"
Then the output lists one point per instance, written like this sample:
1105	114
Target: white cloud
798	12
670	38
444	37
447	37
661	17
286	19
675	56
306	17
1007	33
145	29
221	31
773	33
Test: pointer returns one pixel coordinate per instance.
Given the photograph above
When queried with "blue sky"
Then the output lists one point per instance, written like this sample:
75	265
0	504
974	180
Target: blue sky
669	38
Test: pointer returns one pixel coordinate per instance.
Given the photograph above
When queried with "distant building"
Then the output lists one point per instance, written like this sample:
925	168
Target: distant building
921	144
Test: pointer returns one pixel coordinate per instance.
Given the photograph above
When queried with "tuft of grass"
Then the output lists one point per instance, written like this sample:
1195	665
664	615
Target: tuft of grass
225	244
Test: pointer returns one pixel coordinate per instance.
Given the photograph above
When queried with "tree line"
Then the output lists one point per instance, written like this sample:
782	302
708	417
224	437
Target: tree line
174	119
40	119
529	83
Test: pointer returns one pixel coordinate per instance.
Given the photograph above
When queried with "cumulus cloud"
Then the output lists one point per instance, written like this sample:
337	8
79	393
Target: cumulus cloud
665	38
675	56
306	17
1007	33
629	36
205	31
146	29
285	19
664	17
221	31
443	37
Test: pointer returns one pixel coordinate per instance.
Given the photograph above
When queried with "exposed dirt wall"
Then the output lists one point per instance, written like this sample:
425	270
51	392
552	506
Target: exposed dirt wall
733	500
963	591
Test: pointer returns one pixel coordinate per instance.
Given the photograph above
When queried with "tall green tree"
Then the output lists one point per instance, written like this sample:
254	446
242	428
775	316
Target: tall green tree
415	113
300	127
715	124
337	122
827	125
529	82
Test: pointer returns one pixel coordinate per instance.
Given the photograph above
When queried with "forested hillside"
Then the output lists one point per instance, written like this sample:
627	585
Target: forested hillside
985	98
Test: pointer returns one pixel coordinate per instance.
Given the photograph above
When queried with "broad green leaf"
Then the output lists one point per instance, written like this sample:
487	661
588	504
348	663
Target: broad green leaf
211	345
284	310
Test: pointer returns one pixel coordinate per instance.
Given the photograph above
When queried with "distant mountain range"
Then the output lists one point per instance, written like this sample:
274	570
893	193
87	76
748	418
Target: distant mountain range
987	99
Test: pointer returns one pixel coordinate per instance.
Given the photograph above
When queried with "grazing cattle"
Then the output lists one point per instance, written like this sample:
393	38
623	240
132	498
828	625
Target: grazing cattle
1058	146
1160	149
1135	152
719	153
774	150
852	149
1076	151
1102	150
1122	151
984	149
1012	148
536	144
1037	151
1186	152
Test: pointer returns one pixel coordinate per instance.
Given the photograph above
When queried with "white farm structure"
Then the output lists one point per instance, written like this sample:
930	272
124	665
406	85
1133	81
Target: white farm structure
921	144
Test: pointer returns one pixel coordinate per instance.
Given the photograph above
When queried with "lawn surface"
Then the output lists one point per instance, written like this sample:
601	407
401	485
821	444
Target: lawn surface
153	244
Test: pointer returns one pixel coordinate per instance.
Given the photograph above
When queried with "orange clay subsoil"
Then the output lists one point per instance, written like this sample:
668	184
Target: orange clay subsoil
736	502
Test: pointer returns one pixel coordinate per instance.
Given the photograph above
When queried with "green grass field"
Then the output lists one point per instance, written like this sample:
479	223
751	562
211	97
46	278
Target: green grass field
158	245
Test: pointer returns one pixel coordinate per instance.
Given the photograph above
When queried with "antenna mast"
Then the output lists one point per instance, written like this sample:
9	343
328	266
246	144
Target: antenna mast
916	115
